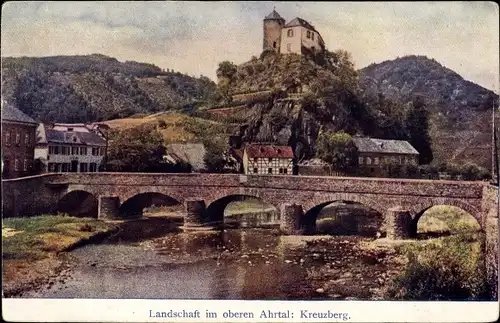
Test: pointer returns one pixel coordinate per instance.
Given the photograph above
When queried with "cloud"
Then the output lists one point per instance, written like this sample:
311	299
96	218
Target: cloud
193	37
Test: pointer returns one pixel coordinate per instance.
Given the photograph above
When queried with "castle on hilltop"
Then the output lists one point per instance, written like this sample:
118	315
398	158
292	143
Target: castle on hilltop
298	36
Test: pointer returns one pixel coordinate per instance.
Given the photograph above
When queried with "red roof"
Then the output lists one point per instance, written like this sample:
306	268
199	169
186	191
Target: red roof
269	151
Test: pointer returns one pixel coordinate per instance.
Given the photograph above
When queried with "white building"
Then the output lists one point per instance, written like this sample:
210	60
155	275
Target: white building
267	159
70	147
297	36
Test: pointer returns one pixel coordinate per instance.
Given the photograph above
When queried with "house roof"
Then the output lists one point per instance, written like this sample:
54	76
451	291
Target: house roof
47	135
300	22
268	151
10	113
190	153
374	145
274	15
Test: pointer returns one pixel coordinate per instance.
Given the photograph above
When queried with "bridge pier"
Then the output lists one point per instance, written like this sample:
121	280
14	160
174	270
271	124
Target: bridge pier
291	214
398	223
195	213
108	207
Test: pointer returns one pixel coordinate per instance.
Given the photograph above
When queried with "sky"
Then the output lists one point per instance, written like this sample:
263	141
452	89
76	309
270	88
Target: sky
193	37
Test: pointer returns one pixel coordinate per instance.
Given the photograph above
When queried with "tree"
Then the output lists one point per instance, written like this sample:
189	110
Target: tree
214	154
417	124
337	149
136	150
226	69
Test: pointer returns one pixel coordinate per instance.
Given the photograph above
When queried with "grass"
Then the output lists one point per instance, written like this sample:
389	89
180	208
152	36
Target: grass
249	205
447	268
39	236
444	218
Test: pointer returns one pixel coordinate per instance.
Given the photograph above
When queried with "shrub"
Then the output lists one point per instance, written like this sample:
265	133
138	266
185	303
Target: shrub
454	270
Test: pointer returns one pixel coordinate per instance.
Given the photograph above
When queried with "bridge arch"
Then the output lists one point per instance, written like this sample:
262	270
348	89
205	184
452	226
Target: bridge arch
312	214
215	210
134	206
464	206
79	203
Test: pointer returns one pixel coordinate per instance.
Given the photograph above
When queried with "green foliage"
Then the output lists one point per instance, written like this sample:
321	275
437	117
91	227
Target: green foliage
418	129
226	69
95	88
337	149
136	150
214	154
451	270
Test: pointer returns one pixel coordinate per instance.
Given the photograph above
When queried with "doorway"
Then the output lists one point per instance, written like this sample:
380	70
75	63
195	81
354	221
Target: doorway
74	166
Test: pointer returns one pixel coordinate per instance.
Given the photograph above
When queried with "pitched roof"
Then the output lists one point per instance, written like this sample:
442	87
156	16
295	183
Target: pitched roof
10	113
274	15
268	151
190	153
374	145
66	137
300	22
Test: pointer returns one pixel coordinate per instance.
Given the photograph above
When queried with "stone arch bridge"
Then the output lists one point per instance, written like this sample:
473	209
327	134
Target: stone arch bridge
299	198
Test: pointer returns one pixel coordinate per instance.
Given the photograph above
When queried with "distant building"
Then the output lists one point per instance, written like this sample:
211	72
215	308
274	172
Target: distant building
189	154
267	159
18	142
374	153
65	147
297	36
315	167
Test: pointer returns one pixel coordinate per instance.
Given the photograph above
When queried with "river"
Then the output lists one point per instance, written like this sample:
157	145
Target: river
151	258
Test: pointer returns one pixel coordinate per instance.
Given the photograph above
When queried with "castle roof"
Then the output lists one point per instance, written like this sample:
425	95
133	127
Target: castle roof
274	15
300	22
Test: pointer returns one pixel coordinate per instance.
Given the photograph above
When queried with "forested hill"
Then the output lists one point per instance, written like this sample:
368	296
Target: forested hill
460	119
95	87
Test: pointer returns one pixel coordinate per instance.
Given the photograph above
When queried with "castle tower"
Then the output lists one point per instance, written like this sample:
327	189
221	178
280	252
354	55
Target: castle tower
273	23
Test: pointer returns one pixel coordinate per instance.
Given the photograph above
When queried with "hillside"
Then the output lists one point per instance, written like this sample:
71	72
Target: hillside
95	87
460	110
289	99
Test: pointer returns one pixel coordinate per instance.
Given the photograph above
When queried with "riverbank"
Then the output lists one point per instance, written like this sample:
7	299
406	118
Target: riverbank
34	247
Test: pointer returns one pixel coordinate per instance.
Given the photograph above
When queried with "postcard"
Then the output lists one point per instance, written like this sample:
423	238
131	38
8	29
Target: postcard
170	161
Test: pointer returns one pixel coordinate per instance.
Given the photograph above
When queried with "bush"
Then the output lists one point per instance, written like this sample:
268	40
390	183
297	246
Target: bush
454	270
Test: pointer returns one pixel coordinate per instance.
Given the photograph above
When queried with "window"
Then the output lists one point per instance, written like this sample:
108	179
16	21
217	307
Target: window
83	168
16	164
70	129
274	45
7	138
50	167
290	32
64	167
255	159
269	170
65	150
360	160
280	171
25	165
312	34
376	161
289	47
255	170
308	34
101	151
93	167
368	161
74	150
95	151
27	139
18	138
83	151
285	171
269	159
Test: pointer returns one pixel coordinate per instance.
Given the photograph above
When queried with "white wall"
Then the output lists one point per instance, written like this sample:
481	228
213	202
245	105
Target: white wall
294	41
